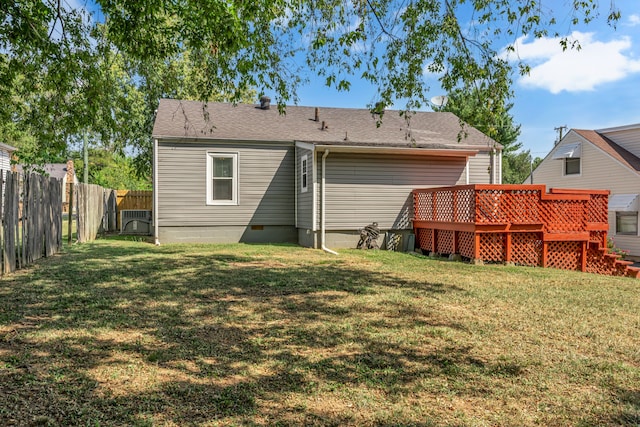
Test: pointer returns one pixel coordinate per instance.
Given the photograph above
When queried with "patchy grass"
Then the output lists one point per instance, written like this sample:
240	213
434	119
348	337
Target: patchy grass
121	332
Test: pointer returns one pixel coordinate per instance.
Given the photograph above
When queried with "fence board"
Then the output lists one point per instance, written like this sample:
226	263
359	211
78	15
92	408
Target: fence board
95	211
133	199
10	223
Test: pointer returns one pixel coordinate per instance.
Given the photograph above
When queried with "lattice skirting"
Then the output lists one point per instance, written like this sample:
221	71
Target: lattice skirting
445	241
425	239
564	255
492	247
526	249
466	244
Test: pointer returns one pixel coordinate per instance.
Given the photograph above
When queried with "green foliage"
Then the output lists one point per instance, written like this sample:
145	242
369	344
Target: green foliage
111	170
516	167
63	74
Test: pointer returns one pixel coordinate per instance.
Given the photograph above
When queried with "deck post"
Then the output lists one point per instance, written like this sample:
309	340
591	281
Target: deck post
545	249
507	247
583	256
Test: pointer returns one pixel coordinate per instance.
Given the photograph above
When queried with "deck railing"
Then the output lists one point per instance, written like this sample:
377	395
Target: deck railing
523	224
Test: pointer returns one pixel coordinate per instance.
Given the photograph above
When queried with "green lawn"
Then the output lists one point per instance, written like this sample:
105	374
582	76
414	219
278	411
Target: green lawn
125	333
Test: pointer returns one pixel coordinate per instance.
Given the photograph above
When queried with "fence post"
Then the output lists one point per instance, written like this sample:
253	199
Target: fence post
70	226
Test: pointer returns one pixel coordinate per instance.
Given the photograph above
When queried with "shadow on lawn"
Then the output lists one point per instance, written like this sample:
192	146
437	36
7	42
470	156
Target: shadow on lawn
222	338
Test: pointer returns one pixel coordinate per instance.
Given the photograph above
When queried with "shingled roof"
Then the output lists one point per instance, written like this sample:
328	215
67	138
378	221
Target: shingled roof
608	146
176	119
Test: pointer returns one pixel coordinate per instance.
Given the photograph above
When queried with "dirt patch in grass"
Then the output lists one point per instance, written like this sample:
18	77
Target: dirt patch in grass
124	333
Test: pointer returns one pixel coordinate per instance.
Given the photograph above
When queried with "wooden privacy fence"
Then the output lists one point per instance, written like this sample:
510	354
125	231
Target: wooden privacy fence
32	228
96	211
133	199
521	224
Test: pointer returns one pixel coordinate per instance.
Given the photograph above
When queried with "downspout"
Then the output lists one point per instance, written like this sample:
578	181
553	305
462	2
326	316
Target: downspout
155	192
295	187
322	203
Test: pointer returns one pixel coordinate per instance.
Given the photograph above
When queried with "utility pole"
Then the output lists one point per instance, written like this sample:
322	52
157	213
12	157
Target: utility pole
559	129
85	153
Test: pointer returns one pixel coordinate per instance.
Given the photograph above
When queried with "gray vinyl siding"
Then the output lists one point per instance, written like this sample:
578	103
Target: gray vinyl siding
628	139
265	187
362	189
305	200
479	168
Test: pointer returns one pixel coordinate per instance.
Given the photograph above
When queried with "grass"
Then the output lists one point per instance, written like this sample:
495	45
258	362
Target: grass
120	332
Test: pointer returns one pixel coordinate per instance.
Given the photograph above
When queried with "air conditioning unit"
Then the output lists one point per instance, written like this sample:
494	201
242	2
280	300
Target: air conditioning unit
135	221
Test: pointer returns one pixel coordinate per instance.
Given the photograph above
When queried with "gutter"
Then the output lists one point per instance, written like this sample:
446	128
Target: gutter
322	203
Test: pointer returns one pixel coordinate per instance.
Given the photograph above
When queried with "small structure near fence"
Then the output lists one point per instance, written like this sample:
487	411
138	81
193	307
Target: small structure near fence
520	224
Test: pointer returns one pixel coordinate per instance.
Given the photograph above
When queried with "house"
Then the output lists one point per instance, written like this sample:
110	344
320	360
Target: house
312	176
63	171
6	151
607	159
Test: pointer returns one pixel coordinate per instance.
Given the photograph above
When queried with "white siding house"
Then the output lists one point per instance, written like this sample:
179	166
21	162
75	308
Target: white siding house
607	159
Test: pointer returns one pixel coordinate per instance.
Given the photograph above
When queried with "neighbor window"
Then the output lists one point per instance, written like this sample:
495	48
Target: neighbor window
572	166
303	174
222	178
627	223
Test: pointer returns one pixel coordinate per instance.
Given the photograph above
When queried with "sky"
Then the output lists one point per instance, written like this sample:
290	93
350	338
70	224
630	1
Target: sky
596	87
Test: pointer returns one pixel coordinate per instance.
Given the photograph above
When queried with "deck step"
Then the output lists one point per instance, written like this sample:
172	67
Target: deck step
633	272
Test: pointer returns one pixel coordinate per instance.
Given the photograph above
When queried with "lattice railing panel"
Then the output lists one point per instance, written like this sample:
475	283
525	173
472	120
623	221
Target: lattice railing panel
488	209
526	249
425	239
444	206
445	242
423	205
465	210
466	244
596	210
564	255
563	216
492	247
521	206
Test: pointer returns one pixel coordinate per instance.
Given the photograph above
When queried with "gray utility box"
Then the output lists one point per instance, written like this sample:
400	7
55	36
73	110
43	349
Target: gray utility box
135	221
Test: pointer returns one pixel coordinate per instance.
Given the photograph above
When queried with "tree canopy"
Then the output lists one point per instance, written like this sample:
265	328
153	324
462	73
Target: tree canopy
65	72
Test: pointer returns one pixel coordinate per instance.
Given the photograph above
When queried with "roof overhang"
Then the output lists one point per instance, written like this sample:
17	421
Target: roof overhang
623	202
361	149
568	151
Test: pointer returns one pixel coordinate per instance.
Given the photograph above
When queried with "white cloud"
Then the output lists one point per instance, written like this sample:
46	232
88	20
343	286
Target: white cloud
574	70
634	20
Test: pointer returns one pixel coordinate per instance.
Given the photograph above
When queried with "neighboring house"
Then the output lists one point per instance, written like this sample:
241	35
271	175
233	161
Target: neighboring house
6	151
312	176
607	159
63	171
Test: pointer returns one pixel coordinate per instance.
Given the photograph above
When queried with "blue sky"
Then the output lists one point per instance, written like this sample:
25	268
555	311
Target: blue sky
594	88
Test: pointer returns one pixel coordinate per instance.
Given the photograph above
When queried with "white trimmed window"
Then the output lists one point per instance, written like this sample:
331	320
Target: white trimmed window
222	178
304	175
627	223
572	166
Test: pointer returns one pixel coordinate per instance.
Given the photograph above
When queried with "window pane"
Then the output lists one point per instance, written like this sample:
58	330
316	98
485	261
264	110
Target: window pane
222	189
627	223
304	173
572	166
222	167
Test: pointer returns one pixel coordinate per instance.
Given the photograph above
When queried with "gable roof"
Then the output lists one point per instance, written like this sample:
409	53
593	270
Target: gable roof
54	170
176	119
608	146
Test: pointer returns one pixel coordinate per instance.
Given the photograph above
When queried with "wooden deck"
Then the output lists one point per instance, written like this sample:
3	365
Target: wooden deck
520	224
